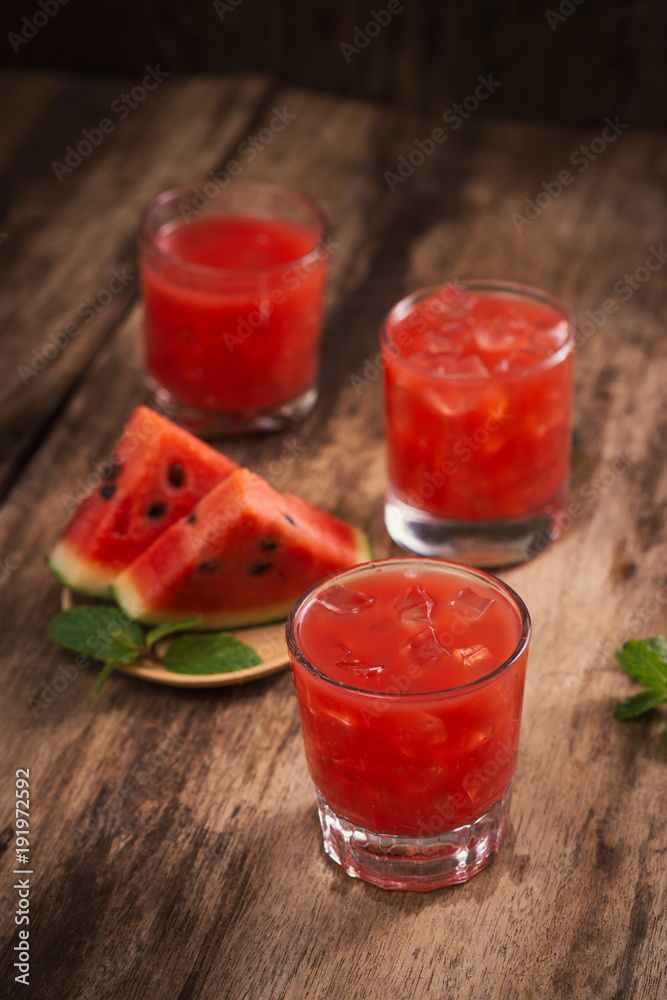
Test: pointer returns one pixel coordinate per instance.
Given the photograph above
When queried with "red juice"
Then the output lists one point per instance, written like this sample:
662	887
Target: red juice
478	402
409	677
233	284
248	340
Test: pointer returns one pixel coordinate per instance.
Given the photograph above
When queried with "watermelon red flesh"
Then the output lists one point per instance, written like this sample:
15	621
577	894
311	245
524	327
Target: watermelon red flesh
157	474
244	556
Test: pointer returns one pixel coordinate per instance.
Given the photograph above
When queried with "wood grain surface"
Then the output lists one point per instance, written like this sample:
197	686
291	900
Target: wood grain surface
174	836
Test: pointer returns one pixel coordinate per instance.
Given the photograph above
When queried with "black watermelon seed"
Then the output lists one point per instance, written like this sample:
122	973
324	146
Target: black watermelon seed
192	518
259	568
176	475
209	566
156	510
107	492
267	544
114	472
288	518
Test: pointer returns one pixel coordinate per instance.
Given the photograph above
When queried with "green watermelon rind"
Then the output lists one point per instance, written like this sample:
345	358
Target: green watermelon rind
73	572
127	599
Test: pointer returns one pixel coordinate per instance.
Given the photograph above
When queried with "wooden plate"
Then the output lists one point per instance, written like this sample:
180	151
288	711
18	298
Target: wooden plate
268	641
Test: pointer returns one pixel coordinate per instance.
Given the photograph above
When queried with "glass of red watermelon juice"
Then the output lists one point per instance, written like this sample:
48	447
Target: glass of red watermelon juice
478	394
409	677
233	281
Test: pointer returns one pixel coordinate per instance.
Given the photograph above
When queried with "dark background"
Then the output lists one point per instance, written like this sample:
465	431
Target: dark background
596	58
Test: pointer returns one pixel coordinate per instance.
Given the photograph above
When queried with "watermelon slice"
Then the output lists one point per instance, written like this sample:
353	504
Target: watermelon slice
158	474
243	556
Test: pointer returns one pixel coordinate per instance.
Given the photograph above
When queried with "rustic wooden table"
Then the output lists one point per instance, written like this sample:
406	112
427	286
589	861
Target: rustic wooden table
175	846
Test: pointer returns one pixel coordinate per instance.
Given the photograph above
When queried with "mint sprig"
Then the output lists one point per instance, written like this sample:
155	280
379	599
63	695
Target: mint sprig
161	631
105	633
209	654
645	660
101	632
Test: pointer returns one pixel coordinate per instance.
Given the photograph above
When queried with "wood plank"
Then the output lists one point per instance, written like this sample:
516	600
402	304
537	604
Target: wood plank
69	270
176	836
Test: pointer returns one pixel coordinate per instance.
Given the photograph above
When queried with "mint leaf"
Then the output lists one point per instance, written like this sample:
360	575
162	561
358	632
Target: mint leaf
106	633
220	653
646	661
659	644
100	631
639	703
162	630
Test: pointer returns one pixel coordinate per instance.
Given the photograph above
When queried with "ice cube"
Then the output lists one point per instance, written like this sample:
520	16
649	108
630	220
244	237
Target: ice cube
425	646
471	364
469	606
349	765
351	662
420	734
524	357
450	303
500	334
447	341
555	335
478	738
501	367
454	398
426	359
475	656
429	729
345	601
474	784
414	605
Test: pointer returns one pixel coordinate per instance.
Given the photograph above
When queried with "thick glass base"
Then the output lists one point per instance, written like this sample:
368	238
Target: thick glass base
211	424
477	543
417	863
